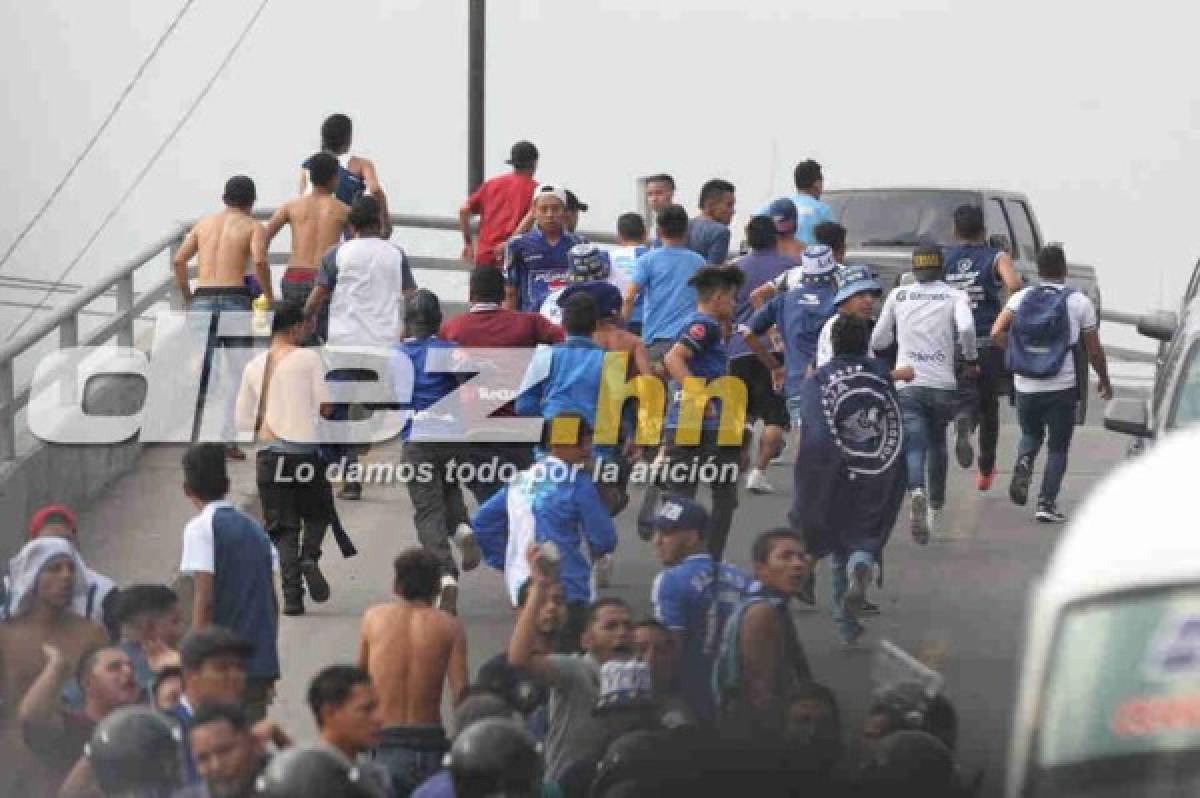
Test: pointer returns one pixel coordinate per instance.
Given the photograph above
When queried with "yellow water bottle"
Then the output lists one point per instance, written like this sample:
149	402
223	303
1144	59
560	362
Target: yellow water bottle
261	306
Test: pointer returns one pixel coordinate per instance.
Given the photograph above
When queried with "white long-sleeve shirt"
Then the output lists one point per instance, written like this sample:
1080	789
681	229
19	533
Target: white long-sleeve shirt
927	319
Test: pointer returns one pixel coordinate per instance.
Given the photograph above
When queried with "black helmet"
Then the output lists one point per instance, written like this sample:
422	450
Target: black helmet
135	751
312	773
495	758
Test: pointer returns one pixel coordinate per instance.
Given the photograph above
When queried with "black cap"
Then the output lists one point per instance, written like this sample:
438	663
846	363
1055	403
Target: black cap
574	204
214	641
523	154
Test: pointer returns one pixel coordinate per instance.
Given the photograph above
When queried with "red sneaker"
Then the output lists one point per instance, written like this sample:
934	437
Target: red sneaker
984	481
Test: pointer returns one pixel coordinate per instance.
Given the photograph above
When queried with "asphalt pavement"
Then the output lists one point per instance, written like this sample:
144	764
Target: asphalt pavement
958	602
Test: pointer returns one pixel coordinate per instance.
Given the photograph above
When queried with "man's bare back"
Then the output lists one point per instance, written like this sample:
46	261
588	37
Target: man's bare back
317	221
21	660
410	649
225	243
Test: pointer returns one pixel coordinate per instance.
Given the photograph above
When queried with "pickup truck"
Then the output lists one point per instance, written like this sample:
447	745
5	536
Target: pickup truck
884	225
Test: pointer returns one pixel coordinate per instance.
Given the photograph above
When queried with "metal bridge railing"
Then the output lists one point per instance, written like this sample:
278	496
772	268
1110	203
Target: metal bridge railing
129	307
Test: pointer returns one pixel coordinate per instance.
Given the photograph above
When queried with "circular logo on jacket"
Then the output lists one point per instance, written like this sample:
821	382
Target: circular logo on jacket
696	331
965	265
864	419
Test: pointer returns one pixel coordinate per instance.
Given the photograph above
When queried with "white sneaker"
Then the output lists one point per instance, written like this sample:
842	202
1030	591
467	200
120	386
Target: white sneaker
778	459
936	520
918	516
448	597
602	569
468	548
756	482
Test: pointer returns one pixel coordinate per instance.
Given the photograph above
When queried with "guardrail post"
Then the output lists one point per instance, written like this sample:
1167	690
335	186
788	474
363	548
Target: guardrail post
124	310
8	431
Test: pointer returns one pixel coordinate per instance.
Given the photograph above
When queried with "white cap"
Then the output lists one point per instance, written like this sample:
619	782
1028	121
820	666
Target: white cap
550	190
817	261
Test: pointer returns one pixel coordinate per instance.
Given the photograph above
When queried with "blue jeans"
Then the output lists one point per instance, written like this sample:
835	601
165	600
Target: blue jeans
1047	415
411	755
927	412
216	301
843	564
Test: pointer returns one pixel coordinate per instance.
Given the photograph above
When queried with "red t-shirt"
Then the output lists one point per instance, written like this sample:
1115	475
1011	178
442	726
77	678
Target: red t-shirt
501	204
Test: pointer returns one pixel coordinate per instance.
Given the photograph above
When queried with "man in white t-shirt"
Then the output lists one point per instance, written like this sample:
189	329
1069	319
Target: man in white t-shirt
365	281
928	319
1046	405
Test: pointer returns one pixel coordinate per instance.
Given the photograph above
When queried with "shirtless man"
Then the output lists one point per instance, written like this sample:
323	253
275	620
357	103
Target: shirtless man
224	242
46	582
410	649
317	221
357	176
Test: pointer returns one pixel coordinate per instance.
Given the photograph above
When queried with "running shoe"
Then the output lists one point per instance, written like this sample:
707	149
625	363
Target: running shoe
602	569
468	549
448	597
983	481
232	452
778	459
937	520
293	608
757	482
1018	489
1048	513
918	513
856	594
351	491
869	609
314	580
962	442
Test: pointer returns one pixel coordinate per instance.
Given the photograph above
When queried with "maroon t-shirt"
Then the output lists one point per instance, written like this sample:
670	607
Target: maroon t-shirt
489	326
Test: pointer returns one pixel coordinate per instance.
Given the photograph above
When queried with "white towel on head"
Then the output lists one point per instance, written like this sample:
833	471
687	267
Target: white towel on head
24	569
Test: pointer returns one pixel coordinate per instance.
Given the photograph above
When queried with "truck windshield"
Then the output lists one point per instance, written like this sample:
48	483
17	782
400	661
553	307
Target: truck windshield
1121	701
897	218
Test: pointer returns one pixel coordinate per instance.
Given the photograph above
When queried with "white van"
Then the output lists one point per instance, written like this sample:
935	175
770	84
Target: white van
1109	698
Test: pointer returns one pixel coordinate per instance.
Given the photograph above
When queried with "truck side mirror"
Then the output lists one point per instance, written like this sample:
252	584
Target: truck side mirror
1128	417
1000	241
1159	325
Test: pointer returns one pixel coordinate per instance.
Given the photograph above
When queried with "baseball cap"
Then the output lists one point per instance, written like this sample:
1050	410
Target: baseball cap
783	212
817	261
574	203
523	153
679	513
928	257
586	261
213	641
548	189
856	279
50	513
606	296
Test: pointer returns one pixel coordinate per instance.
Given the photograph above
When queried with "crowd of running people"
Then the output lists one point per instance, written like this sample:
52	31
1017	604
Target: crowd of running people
146	690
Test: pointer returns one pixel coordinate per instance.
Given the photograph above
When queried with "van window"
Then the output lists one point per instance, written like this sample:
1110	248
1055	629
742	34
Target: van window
1026	244
1187	395
1121	703
995	221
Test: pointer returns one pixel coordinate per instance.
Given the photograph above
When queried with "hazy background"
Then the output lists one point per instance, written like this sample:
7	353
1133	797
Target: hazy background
1090	108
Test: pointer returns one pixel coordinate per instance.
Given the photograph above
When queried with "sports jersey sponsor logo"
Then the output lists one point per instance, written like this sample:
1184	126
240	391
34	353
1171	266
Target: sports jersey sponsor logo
864	420
928	357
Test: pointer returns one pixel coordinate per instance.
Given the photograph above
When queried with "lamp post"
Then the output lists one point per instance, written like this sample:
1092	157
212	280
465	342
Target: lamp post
476	27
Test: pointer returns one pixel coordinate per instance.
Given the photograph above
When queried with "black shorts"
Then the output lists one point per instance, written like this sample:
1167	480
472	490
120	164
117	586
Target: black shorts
762	401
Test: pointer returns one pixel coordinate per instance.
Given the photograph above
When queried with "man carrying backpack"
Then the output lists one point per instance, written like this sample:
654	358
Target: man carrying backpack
1039	327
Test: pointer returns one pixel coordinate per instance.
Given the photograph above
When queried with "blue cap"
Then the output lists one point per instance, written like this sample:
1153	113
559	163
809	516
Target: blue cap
679	513
606	296
817	261
856	279
783	212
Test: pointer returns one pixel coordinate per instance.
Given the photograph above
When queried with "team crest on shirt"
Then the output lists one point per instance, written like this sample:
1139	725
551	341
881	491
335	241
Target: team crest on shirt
697	331
863	419
965	265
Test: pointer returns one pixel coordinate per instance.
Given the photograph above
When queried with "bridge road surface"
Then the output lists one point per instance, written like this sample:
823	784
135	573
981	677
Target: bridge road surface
964	595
